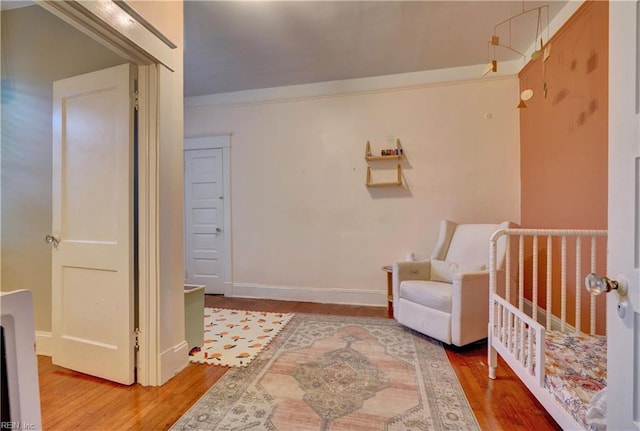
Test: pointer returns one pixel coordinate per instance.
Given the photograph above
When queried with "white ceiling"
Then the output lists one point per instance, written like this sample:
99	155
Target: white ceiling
241	45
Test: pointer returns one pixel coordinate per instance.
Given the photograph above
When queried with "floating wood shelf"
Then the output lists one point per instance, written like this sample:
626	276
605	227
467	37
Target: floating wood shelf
398	182
369	157
394	157
398	156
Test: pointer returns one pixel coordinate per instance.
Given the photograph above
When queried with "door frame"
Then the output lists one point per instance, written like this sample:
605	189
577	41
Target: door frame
222	142
148	52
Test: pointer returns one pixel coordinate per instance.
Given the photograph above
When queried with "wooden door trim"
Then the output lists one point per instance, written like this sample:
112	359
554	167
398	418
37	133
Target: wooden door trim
149	87
133	41
148	361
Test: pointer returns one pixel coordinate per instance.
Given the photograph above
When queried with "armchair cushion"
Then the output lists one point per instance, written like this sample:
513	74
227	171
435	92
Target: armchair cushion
470	243
430	294
442	270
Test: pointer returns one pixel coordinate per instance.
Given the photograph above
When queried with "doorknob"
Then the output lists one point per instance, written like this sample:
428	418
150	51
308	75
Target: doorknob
50	239
597	284
218	230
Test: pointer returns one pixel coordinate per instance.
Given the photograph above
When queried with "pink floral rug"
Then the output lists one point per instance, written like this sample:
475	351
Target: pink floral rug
338	373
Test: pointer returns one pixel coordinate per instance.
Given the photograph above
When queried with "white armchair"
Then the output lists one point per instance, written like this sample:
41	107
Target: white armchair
447	296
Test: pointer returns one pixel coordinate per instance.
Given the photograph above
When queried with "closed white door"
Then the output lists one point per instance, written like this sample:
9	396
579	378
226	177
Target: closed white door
92	236
204	219
623	329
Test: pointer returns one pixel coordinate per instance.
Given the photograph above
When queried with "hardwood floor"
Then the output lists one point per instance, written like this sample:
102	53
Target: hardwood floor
72	400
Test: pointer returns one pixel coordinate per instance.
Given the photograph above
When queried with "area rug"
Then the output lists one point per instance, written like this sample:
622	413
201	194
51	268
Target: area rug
338	373
235	337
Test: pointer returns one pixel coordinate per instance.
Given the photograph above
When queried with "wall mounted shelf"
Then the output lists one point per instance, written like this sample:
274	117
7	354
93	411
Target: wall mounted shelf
399	155
398	182
369	157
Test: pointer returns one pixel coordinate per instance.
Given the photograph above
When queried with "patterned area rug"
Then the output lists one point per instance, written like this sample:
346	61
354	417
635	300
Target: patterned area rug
235	337
338	373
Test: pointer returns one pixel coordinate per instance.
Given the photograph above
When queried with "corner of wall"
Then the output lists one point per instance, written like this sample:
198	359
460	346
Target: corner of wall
172	361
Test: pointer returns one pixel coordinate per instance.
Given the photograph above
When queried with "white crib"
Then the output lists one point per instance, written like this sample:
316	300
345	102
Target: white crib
562	365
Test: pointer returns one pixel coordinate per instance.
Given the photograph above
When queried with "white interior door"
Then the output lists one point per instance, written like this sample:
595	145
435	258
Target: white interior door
92	264
623	360
204	219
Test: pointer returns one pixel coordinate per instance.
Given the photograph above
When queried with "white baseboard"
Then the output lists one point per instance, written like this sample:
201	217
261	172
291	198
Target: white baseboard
556	323
228	288
172	361
44	343
310	294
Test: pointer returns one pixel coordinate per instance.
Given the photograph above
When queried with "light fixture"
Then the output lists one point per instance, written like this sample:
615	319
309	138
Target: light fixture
538	52
547	51
525	95
496	41
492	66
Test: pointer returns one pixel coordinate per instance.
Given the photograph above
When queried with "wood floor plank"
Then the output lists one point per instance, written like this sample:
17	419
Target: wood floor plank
73	400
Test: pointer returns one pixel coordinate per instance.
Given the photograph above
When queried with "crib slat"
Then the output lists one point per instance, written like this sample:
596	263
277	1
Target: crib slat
509	330
592	311
578	322
521	342
507	269
549	280
540	348
499	323
563	283
521	273
530	351
534	277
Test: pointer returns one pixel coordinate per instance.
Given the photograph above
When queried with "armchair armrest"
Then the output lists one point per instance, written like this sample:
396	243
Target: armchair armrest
470	306
416	270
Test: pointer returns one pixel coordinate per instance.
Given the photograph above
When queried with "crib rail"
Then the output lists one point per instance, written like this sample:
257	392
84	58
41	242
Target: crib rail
517	327
518	339
583	241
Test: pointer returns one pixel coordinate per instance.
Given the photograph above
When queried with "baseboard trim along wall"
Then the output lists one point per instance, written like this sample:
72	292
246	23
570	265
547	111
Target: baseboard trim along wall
556	323
44	343
309	294
172	361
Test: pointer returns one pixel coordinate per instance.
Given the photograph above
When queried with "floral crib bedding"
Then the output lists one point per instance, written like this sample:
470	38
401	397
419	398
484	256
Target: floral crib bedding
575	372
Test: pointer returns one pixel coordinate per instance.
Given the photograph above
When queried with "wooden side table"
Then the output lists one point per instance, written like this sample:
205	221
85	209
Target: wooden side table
389	270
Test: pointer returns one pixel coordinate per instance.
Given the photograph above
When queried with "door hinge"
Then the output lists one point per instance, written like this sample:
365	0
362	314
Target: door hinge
136	334
136	100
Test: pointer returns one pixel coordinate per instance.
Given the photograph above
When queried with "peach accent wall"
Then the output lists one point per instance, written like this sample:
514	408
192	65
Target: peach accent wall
563	134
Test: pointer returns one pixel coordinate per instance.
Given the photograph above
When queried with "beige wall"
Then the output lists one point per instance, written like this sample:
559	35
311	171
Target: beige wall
37	49
302	218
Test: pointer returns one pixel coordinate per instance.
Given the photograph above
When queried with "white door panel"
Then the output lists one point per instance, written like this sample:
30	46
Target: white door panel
204	219
92	265
623	333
